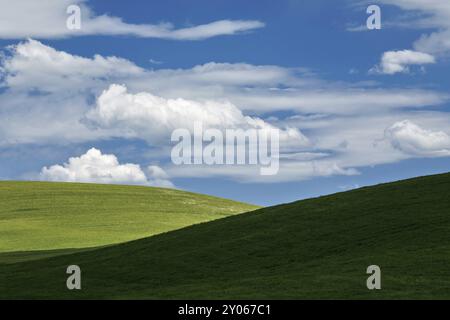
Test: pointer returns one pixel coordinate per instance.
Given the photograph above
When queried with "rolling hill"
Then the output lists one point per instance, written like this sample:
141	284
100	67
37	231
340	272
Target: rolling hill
57	218
317	248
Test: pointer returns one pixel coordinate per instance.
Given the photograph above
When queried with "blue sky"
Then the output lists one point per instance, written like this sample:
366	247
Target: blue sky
396	127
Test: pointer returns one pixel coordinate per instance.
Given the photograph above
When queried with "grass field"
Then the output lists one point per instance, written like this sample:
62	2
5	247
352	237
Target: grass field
49	216
317	248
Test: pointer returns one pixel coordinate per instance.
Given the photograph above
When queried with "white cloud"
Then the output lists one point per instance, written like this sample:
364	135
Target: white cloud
158	177
251	88
341	145
359	140
412	139
75	103
28	61
47	19
437	43
153	61
40	109
399	61
288	171
430	14
434	14
152	118
95	167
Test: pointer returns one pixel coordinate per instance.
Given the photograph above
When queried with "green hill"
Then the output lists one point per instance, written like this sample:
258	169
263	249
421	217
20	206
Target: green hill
317	248
51	216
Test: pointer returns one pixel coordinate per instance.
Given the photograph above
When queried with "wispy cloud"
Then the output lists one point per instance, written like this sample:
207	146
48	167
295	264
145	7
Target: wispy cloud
339	123
47	20
433	14
417	14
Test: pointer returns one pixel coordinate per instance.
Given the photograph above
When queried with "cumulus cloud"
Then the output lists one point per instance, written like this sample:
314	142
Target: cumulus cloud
40	109
158	177
47	19
75	103
95	167
28	61
412	139
252	88
151	117
399	61
432	14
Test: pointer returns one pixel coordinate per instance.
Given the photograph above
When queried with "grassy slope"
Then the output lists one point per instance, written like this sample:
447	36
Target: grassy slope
48	216
318	248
